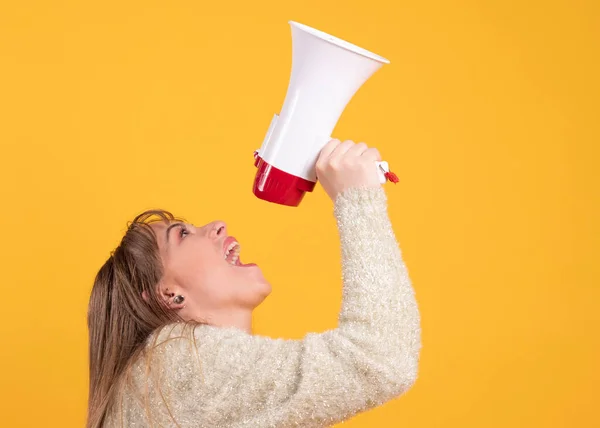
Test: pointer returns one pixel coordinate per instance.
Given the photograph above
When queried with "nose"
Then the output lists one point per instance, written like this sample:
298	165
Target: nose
218	229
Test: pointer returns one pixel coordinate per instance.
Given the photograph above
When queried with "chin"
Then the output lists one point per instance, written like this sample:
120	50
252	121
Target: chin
260	291
263	289
254	287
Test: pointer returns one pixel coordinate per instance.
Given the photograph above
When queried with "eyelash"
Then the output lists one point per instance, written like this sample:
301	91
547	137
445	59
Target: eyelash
183	232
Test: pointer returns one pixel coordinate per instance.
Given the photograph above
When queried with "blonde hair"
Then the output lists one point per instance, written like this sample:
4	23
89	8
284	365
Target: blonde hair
120	320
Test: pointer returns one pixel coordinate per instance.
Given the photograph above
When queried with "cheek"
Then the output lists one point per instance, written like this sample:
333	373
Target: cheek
197	265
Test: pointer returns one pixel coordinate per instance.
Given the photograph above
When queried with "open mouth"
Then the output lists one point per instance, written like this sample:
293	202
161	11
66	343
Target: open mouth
232	251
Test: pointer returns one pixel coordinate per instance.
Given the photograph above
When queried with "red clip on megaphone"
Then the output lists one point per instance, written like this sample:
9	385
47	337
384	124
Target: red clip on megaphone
326	73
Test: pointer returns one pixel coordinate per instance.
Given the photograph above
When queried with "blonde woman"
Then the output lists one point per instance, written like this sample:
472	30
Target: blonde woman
170	322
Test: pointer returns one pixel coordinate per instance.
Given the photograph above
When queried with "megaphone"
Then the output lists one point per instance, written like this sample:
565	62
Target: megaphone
326	73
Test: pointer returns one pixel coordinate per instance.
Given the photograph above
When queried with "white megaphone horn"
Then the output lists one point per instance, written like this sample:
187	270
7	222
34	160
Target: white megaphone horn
326	73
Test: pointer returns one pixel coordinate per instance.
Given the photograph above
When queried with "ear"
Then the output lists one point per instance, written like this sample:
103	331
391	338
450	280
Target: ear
146	297
165	294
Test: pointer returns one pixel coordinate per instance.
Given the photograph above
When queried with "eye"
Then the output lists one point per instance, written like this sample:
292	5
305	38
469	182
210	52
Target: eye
183	232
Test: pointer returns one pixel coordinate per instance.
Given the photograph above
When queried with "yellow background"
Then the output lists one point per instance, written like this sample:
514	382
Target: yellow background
488	113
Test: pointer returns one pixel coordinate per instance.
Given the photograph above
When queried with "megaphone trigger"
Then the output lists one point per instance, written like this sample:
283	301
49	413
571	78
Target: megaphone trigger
392	177
385	174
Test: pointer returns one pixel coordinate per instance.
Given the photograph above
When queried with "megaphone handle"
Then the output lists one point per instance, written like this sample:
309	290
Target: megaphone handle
384	173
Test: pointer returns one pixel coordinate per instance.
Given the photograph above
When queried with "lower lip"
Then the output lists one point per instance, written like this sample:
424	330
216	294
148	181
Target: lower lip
242	265
247	266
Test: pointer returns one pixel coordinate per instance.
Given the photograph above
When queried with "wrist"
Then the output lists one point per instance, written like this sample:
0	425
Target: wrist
368	196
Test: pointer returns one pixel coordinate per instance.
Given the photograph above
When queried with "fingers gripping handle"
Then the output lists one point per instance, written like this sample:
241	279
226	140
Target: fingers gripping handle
383	170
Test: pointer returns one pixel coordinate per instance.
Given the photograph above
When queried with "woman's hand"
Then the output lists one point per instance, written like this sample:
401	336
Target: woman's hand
341	166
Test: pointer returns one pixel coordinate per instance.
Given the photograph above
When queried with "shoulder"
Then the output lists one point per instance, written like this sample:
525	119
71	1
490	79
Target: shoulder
172	336
182	346
205	346
172	356
191	356
187	341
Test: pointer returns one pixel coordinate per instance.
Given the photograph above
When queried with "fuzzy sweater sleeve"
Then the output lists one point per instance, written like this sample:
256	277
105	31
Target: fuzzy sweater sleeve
227	378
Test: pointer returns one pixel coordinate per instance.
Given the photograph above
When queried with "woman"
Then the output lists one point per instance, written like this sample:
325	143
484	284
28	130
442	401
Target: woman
170	322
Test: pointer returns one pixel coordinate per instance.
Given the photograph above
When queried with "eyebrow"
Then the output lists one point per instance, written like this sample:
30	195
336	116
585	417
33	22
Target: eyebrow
171	227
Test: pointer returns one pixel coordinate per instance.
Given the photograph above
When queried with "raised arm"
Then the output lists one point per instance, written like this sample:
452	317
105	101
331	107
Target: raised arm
227	378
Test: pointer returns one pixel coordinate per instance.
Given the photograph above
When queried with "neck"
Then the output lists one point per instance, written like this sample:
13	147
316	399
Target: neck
236	318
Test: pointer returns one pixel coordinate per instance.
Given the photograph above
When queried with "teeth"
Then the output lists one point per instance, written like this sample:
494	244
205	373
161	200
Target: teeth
233	248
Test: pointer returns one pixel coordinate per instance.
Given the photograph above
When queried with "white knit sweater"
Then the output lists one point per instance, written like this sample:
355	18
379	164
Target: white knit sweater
223	377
